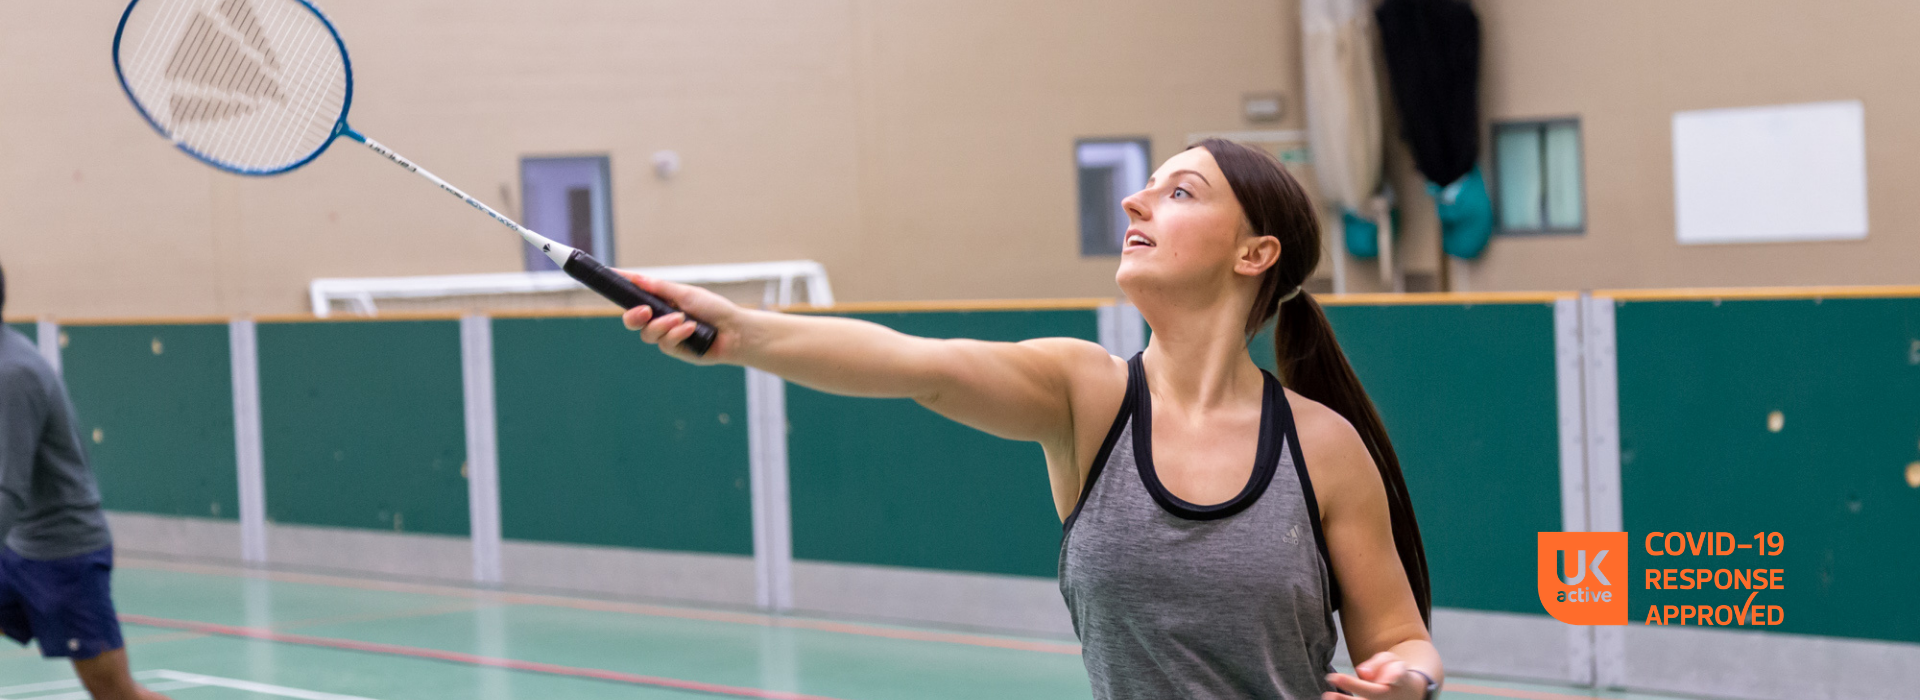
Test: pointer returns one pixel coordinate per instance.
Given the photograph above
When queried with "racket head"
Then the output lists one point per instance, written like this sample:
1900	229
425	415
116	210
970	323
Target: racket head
254	87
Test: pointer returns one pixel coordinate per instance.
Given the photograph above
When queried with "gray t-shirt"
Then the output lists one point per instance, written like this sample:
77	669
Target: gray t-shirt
49	504
1230	601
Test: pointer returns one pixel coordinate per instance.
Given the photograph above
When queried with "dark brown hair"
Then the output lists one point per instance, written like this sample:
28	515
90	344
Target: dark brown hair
1304	348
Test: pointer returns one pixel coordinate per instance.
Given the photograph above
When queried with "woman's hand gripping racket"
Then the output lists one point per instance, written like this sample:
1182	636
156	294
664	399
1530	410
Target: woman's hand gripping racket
674	331
260	87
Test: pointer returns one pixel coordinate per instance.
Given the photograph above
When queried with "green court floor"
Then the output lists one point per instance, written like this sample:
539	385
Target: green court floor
200	632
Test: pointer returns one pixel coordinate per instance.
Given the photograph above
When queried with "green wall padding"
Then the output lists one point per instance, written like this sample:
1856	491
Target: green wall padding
1468	395
363	425
1697	383
154	405
605	441
31	330
885	481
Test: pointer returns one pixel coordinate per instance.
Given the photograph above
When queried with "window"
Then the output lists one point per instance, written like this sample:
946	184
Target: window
1536	168
567	200
1110	169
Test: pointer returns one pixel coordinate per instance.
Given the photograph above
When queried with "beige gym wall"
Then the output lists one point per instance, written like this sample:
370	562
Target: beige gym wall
918	150
1625	66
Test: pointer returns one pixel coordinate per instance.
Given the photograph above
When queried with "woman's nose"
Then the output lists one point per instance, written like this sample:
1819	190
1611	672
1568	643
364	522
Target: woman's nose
1136	207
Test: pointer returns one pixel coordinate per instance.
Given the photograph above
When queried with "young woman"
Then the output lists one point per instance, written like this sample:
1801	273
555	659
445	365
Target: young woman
1214	519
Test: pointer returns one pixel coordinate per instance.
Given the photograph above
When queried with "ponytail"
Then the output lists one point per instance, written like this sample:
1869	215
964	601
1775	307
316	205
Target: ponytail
1312	365
1309	358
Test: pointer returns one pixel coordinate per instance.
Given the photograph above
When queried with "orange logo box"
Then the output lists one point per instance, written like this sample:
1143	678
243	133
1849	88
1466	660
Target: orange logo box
1583	577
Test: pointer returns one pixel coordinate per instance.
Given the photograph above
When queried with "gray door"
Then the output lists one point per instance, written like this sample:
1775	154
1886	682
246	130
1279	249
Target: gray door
567	200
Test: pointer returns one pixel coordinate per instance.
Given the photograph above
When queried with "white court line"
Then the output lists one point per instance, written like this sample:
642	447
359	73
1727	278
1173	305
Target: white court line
84	695
31	687
252	687
49	685
177	680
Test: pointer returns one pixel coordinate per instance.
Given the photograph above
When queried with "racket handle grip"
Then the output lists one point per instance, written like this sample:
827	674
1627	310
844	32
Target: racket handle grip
619	290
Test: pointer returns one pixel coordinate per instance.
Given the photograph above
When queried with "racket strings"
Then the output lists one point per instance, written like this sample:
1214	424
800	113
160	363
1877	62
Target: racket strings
240	14
209	58
252	85
263	143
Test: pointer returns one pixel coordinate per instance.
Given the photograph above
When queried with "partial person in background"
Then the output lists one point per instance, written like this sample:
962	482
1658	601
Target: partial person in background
1216	516
58	556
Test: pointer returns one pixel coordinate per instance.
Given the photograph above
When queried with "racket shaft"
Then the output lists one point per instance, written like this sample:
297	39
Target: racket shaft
620	290
579	265
435	179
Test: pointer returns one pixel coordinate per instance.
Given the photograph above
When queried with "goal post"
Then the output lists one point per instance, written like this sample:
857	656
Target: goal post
770	284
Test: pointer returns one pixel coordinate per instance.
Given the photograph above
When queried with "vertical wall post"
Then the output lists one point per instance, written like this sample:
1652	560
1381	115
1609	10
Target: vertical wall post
1133	330
248	451
1122	331
772	517
1570	389
47	338
483	472
1604	510
1107	319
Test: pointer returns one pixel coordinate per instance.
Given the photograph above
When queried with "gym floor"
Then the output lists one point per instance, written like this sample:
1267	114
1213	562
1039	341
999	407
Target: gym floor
204	632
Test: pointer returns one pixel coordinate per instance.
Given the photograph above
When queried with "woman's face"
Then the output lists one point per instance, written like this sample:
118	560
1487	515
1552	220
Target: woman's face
1187	230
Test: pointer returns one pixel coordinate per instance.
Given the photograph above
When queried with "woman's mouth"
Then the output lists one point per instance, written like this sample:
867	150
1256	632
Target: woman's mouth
1138	239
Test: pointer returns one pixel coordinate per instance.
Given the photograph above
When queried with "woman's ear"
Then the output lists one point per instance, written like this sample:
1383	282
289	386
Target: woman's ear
1256	255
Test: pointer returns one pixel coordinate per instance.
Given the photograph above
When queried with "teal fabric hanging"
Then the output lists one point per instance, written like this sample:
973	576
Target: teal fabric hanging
1363	234
1466	214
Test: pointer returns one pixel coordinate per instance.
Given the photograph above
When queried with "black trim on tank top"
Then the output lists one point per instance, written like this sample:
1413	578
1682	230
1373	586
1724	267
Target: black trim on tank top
1265	457
1292	432
1106	445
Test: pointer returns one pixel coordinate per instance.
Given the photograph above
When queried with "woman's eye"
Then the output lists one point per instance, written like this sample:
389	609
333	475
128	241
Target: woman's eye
1179	192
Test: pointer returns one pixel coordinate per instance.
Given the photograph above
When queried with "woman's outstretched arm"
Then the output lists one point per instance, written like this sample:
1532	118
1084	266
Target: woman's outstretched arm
1018	391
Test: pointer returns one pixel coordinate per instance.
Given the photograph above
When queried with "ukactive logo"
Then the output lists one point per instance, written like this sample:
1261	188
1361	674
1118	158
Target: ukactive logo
1583	577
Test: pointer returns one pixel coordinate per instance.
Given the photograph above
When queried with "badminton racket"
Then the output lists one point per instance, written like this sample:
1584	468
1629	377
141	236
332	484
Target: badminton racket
261	87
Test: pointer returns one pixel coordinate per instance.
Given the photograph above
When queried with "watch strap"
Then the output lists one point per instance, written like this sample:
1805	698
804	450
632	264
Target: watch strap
1433	688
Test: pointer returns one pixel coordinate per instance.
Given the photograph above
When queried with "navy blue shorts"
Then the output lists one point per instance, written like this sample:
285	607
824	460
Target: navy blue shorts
65	603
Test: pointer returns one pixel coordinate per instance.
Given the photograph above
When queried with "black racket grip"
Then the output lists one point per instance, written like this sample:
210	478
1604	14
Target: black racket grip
617	289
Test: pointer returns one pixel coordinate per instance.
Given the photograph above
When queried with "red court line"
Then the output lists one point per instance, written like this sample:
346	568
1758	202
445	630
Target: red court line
459	658
1068	648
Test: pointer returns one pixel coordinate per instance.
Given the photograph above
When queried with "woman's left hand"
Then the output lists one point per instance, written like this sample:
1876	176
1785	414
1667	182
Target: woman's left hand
1383	677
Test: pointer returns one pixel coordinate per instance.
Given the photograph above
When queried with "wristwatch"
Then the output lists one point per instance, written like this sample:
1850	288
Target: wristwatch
1433	689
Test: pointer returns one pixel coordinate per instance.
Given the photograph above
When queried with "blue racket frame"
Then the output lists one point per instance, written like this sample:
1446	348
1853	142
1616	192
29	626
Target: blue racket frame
340	127
576	263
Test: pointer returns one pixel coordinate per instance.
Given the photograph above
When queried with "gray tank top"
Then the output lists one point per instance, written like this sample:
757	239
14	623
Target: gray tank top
1176	600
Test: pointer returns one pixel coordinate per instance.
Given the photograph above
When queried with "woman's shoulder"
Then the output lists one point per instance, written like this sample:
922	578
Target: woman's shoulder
1337	459
1081	361
1094	381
